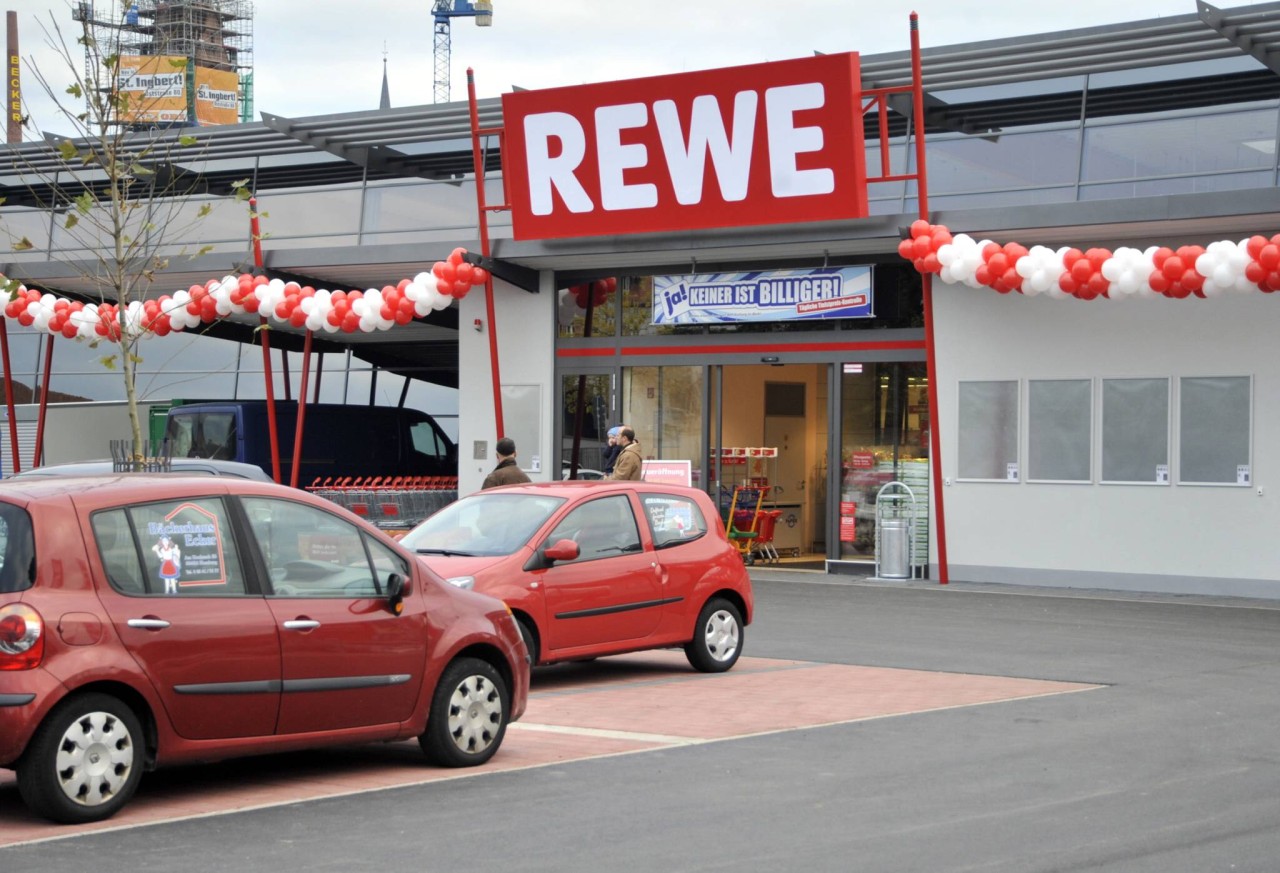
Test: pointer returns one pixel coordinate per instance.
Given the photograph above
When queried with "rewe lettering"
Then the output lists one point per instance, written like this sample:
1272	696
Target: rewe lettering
557	159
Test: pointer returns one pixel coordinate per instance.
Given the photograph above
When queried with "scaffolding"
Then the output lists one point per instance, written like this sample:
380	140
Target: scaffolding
212	35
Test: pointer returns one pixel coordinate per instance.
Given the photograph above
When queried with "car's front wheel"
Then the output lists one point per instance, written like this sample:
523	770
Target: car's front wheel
717	637
468	717
84	763
530	640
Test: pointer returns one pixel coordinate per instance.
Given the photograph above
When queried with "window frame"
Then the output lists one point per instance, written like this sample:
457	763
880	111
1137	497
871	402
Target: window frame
1249	434
1168	431
1015	420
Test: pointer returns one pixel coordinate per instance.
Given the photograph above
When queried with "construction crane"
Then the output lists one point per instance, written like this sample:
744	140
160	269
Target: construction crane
445	11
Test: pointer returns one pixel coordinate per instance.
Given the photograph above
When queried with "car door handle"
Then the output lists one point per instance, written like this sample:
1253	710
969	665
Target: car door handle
148	623
301	624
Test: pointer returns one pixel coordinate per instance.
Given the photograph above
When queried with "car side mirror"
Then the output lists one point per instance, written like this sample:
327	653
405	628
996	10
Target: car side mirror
562	550
397	588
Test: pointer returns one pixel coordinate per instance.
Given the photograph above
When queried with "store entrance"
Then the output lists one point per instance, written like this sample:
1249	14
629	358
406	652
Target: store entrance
883	438
770	435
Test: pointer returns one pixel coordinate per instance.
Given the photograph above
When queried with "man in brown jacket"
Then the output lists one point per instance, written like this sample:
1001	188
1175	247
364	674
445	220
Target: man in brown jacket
629	464
507	472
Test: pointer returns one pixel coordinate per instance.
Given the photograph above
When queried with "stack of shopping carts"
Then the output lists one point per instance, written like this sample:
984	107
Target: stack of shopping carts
392	502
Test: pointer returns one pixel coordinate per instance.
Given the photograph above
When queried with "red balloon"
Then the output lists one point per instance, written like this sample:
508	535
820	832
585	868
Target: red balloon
907	249
350	323
1159	282
479	276
462	273
1255	272
461	288
251	303
283	309
387	312
444	286
930	263
983	274
448	273
455	256
920	227
437	268
1269	257
921	246
298	318
403	317
1173	268
1254	245
1081	270
999	262
403	284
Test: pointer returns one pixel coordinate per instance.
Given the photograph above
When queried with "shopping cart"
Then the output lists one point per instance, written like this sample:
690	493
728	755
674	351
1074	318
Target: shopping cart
742	524
763	546
390	502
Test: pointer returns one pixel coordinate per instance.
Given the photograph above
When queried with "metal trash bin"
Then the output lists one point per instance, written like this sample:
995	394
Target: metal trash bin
894	553
895	531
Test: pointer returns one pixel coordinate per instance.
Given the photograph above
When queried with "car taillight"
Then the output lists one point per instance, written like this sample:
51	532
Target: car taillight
21	637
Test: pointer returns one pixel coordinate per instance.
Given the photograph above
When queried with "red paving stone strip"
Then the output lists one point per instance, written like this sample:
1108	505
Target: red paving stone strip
613	706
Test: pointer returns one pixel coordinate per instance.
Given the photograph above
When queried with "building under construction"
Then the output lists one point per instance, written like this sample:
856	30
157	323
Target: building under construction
188	63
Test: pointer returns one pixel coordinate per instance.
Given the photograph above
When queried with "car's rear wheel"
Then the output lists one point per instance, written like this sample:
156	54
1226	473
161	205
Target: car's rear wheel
717	637
469	713
85	761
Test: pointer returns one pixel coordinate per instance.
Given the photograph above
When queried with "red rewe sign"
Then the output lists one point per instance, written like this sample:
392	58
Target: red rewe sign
761	144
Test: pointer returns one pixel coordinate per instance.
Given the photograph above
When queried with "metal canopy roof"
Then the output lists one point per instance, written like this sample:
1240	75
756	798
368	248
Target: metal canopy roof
433	142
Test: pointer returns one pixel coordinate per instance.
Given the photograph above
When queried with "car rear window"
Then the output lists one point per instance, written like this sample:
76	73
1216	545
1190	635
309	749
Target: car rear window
673	519
174	548
17	550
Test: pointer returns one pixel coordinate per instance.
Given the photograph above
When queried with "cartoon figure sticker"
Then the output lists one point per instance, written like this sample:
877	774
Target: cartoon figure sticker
189	548
170	562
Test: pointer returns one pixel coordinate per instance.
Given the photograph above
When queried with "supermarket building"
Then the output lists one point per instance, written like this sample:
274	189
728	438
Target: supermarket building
1106	443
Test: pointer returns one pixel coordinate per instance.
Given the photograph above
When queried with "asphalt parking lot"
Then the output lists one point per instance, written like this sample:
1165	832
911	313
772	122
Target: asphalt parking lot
869	726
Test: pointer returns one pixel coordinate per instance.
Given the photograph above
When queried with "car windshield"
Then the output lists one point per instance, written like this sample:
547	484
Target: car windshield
482	525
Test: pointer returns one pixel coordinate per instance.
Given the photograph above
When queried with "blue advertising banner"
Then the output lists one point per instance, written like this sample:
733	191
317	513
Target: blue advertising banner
773	295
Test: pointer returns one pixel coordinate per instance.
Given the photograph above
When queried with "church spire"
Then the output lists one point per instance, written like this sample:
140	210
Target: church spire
385	102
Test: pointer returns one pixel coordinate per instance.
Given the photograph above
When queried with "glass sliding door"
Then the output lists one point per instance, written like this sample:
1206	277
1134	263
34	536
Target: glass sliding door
587	411
664	406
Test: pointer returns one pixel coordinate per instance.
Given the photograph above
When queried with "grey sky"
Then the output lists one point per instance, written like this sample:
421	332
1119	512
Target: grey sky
319	57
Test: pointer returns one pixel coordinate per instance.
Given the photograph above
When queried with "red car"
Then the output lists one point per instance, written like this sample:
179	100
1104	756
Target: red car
598	568
151	620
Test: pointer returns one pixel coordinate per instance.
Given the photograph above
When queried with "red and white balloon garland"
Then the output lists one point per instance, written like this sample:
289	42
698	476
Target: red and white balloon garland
1251	264
455	276
300	306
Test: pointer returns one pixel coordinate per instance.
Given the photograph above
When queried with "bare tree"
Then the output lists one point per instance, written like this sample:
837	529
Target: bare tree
126	209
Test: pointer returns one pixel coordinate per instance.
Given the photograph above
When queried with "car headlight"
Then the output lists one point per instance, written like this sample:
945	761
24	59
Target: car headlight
467	582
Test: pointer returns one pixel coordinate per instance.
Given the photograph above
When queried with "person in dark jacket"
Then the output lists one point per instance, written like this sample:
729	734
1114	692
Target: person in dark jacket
507	472
612	450
629	464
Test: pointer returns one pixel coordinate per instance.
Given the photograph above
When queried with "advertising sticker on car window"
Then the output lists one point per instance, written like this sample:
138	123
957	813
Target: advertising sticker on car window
187	548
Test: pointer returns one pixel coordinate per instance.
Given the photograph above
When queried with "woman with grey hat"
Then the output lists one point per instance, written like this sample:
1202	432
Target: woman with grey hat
612	450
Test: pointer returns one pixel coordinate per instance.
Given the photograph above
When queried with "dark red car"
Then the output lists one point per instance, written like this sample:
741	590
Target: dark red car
149	620
598	568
